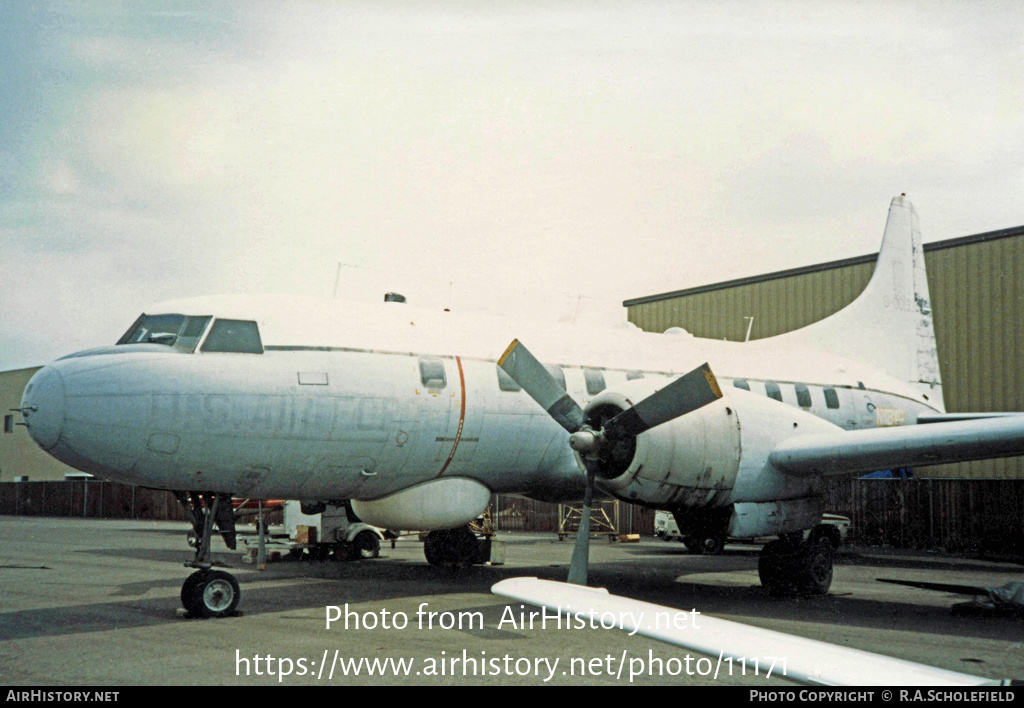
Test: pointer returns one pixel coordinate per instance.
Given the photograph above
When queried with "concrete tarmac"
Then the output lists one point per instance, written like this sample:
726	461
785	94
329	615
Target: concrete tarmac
86	602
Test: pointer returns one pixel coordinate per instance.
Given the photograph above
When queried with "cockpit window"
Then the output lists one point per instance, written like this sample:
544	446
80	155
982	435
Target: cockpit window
177	331
238	336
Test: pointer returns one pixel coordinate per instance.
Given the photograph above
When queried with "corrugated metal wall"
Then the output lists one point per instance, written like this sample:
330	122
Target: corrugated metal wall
777	305
964	515
977	289
978	302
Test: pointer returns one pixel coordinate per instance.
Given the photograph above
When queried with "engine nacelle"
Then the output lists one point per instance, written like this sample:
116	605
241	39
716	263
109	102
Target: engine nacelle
688	462
439	504
708	459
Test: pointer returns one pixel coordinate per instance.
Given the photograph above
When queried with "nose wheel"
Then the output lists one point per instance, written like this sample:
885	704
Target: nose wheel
208	592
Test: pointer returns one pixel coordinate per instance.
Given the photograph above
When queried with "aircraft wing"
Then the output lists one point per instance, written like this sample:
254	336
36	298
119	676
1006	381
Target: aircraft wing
798	658
859	451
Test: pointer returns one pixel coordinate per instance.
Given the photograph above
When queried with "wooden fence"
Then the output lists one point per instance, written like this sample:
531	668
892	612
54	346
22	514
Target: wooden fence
985	515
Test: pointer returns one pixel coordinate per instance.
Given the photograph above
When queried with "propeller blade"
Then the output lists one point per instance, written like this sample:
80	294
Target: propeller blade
580	562
687	393
537	381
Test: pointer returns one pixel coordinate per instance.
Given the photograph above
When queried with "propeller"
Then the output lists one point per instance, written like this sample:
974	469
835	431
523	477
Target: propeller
600	441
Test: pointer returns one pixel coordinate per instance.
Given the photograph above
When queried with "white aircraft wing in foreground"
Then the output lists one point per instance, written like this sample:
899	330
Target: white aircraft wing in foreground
797	658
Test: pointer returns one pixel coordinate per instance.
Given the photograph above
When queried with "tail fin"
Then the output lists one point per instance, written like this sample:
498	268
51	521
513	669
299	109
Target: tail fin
889	326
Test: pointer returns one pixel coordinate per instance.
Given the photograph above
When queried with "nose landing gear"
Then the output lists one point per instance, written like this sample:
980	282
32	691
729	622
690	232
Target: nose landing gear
208	592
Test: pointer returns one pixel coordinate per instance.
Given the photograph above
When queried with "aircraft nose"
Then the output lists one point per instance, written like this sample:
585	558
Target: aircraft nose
42	407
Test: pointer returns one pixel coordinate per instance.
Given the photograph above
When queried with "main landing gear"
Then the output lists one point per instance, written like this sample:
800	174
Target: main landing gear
793	567
208	592
707	545
454	547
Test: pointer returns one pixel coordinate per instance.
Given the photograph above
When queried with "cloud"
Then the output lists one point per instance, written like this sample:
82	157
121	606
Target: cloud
510	157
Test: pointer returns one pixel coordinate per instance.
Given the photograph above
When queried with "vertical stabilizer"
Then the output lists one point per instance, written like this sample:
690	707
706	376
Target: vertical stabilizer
889	326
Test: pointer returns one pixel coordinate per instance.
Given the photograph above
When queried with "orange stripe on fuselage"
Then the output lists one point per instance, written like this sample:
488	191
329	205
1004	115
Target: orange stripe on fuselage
462	417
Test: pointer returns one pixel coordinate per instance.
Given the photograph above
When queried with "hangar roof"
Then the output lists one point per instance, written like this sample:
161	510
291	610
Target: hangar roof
831	265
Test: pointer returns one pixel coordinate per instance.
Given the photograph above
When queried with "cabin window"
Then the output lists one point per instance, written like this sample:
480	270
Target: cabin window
506	382
773	390
595	381
432	373
741	383
831	398
234	336
8	423
803	396
171	330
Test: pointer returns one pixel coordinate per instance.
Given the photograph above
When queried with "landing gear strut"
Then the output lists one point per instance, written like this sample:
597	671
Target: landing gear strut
208	592
458	547
791	568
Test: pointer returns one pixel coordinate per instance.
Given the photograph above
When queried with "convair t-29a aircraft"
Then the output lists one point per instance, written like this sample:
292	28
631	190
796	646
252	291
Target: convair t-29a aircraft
418	417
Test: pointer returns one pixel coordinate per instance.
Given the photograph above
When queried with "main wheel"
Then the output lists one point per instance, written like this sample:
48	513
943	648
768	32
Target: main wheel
366	545
816	573
788	569
210	593
829	533
452	547
710	545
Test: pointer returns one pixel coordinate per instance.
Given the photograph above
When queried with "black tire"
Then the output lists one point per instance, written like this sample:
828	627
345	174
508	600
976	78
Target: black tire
320	552
816	573
712	545
210	593
824	531
705	545
433	549
795	570
774	567
188	587
366	545
452	547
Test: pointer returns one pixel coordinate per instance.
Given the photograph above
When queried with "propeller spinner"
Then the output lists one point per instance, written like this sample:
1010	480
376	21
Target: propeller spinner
596	440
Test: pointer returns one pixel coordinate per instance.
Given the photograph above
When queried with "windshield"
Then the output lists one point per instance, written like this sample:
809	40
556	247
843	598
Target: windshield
178	331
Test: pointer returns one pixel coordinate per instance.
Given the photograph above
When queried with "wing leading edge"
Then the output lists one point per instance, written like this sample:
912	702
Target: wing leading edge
859	451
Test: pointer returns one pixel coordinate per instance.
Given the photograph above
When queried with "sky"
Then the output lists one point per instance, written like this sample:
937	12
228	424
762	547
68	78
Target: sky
551	158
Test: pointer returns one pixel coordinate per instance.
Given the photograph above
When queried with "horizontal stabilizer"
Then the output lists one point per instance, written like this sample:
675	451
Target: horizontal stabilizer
806	660
859	451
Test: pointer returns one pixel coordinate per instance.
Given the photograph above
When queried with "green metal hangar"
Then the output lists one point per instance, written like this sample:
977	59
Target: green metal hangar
20	457
977	290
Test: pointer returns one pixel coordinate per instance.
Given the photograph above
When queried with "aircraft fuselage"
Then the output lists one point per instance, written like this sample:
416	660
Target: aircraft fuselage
345	402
